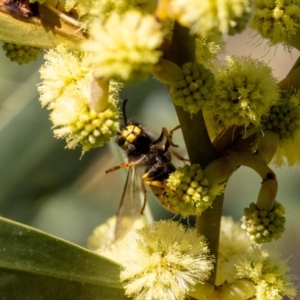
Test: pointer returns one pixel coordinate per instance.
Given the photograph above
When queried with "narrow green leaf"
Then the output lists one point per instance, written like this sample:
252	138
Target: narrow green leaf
16	285
27	254
45	32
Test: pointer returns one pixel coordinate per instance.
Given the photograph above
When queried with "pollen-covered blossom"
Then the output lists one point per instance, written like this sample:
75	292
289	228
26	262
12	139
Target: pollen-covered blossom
61	69
246	89
204	16
284	119
189	191
84	110
125	47
276	21
163	261
268	272
233	242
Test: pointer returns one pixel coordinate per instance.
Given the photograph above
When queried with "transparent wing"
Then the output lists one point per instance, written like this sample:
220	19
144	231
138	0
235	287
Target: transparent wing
130	207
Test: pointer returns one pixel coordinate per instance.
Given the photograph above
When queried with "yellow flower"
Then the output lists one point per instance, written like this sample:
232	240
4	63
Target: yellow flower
164	261
205	16
277	20
246	89
268	272
125	47
189	191
84	110
61	69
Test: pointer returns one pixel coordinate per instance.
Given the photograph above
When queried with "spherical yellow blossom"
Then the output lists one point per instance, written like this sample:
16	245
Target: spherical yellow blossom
276	21
284	119
246	89
233	242
268	272
61	69
188	191
204	16
84	110
79	125
125	48
163	261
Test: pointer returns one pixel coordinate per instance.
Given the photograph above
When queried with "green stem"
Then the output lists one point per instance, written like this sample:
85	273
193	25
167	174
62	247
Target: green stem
198	143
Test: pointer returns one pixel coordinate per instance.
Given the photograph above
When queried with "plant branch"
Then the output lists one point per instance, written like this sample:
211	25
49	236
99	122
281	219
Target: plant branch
198	143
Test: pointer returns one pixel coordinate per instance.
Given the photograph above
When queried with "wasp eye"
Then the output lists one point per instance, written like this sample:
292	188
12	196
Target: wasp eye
121	141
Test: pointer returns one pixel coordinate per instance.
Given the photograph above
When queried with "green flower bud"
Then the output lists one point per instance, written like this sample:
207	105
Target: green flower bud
20	53
196	88
264	226
188	192
283	118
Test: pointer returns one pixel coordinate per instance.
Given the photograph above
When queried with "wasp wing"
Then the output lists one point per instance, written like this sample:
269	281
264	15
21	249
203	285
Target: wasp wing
130	207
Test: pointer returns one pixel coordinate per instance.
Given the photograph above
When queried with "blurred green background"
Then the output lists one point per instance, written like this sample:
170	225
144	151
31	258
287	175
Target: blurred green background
51	188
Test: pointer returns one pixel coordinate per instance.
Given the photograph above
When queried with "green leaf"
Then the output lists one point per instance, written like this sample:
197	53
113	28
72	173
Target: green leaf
47	31
36	265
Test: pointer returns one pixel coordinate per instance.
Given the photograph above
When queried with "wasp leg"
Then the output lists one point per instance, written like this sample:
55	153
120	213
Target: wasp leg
174	129
169	135
160	138
126	165
121	166
145	196
178	156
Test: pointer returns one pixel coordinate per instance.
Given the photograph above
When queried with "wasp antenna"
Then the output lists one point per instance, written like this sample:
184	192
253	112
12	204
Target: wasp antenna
124	112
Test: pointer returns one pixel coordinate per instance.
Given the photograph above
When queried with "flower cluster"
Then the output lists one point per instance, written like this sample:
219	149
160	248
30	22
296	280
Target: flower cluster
166	260
284	120
20	53
126	41
276	21
264	226
195	89
125	47
188	191
246	89
268	272
203	17
83	109
239	259
158	265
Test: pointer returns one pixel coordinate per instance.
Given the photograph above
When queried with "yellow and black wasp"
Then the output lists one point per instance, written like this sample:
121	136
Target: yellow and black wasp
146	151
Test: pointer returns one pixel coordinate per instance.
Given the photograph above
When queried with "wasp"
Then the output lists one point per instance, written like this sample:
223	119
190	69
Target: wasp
146	151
